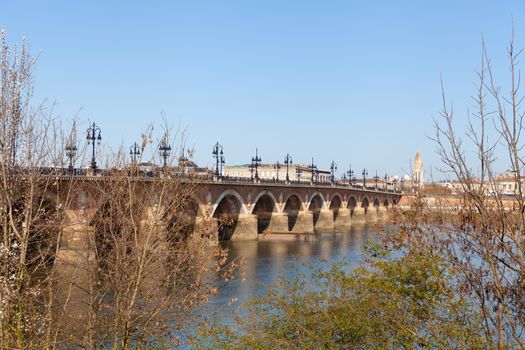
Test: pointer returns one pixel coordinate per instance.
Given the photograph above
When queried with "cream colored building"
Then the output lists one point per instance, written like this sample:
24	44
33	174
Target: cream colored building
505	183
417	171
296	172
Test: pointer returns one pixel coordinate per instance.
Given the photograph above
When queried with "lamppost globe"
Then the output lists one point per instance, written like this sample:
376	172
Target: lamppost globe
313	169
277	167
288	162
218	154
350	174
365	174
71	152
256	161
134	151
94	134
165	151
333	169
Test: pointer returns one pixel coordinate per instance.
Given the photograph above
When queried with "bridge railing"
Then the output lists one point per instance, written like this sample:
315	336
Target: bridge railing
155	174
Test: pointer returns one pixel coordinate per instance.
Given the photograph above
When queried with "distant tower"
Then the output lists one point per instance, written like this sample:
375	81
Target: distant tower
417	171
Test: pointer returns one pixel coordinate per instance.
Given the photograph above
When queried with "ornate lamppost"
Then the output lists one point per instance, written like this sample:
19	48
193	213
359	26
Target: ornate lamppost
386	181
71	153
288	162
256	161
134	151
350	174
277	167
364	173
313	169
223	161
93	134
333	169
376	180
218	154
165	151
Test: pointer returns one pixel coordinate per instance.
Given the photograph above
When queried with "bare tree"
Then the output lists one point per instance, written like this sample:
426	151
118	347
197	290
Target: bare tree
125	275
484	241
32	219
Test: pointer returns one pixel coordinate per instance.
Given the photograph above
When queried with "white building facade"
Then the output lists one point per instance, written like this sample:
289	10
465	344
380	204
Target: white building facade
277	172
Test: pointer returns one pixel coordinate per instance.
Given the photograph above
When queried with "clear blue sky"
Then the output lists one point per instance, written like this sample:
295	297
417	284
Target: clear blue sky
350	81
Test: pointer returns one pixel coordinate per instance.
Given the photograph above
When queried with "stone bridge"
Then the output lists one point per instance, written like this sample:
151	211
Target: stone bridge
298	208
244	210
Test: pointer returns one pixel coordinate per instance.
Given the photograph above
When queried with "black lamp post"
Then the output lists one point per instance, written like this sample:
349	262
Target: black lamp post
222	162
277	167
386	181
71	152
165	151
313	169
218	154
333	169
288	162
134	151
256	161
364	173
350	174
183	159
376	180
93	134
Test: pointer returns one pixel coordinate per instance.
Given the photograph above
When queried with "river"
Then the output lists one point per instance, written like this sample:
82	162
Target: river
266	260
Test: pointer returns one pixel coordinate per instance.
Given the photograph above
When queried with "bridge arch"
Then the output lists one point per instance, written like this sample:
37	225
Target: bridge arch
47	214
336	196
315	195
335	204
229	193
262	194
181	216
228	207
365	203
265	206
386	203
299	198
352	204
315	205
292	206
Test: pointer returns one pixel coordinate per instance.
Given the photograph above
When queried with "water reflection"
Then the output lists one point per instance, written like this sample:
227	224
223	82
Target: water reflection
265	261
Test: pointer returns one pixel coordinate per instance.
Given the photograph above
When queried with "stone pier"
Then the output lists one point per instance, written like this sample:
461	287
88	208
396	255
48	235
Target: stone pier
305	222
75	268
246	227
359	216
207	227
278	223
325	222
371	214
382	214
342	221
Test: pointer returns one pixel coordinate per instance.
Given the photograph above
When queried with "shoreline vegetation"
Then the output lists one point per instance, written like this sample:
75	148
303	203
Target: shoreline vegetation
440	281
125	276
451	277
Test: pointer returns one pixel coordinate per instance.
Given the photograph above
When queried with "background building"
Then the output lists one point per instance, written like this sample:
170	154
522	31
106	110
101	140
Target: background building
417	171
296	172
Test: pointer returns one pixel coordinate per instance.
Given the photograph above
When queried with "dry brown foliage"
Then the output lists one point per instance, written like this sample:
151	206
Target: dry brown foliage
480	233
126	274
